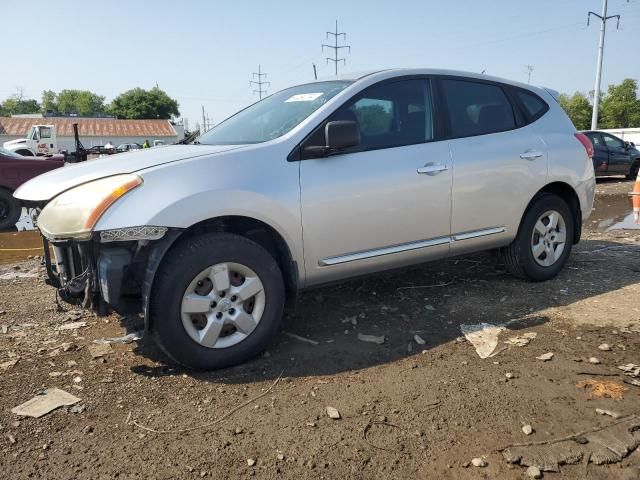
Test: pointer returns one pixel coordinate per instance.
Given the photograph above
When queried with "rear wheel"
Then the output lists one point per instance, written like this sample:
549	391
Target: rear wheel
633	173
544	240
10	210
217	301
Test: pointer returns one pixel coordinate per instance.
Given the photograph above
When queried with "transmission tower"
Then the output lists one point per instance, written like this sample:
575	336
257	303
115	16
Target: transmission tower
257	80
336	48
529	72
603	25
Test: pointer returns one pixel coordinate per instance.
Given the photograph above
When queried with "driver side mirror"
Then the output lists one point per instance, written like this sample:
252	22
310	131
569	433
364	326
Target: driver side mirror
339	135
342	134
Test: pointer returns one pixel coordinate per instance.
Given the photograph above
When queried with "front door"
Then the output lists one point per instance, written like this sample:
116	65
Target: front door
386	202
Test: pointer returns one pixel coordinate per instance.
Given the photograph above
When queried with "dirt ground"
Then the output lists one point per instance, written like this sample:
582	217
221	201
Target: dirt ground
407	410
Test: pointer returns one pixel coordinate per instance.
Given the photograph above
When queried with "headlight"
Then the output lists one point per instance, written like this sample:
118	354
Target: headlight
74	213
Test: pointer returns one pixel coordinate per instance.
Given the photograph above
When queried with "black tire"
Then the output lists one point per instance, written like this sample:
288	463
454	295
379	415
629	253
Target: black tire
519	258
181	265
10	210
25	153
633	173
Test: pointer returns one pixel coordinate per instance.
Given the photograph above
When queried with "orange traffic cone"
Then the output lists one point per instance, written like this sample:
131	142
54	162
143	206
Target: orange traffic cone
635	200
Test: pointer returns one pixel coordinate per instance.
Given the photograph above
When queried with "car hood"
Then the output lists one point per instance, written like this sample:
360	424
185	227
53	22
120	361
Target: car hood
51	184
18	141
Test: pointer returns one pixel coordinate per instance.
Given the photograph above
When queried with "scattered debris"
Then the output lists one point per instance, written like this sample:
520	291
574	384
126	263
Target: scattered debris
78	408
605	347
479	462
599	388
128	338
5	328
594	360
521	340
601	445
419	340
333	413
527	429
534	472
545	357
42	404
371	338
600	411
483	336
630	369
251	462
71	326
509	375
8	364
99	351
11	438
302	339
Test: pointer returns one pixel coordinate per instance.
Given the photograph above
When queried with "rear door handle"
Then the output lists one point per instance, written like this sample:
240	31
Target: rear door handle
531	155
432	169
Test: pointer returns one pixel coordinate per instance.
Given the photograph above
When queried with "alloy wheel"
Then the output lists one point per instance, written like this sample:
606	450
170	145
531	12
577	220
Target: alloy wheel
548	238
223	305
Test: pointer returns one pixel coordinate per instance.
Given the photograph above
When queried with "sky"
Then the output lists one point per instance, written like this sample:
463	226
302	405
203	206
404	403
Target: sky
202	53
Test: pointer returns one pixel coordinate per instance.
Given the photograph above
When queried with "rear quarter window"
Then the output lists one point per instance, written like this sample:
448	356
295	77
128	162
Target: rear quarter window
534	107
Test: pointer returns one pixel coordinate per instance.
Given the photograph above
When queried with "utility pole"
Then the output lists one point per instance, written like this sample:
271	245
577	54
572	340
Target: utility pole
315	72
336	48
259	82
204	121
529	71
603	25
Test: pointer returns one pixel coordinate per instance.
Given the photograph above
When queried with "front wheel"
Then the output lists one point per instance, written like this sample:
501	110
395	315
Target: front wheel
10	210
544	240
633	173
217	300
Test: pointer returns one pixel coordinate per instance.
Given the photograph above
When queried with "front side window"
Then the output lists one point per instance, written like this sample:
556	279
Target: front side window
612	142
476	108
274	116
388	115
45	132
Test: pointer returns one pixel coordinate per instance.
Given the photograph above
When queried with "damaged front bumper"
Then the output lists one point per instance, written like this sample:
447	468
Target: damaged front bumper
113	269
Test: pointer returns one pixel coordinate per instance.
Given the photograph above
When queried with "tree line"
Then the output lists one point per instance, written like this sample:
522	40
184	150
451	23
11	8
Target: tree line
619	107
132	104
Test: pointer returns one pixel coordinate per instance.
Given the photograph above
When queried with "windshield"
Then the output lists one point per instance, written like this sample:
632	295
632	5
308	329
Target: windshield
8	153
274	116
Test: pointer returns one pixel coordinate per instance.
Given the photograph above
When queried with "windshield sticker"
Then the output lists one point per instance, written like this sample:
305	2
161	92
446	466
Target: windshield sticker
303	97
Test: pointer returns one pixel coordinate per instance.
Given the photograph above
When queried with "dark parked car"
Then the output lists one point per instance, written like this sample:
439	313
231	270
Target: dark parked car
613	156
14	171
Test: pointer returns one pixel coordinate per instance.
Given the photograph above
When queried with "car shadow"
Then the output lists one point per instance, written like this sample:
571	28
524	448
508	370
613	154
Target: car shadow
429	303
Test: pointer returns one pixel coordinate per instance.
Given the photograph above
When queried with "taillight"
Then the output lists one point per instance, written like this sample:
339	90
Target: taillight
586	143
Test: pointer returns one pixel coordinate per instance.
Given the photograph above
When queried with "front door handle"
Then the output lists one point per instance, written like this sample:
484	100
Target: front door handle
432	169
531	155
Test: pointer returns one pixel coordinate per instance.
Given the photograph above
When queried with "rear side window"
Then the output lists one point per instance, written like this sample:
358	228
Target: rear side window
533	105
477	108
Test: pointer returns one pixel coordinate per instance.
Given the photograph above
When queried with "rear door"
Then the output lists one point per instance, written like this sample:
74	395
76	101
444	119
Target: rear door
499	163
619	157
600	153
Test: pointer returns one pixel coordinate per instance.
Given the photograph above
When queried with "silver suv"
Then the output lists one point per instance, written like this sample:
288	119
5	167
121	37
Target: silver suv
316	183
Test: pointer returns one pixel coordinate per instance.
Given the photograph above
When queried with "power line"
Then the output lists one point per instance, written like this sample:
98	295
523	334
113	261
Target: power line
336	48
259	82
603	26
529	72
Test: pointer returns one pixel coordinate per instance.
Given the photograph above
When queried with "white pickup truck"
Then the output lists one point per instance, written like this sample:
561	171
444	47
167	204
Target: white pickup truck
40	141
